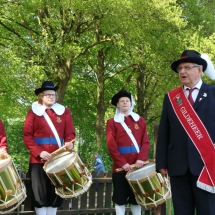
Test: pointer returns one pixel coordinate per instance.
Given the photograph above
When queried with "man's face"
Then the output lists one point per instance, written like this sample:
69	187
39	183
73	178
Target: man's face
189	73
124	104
48	98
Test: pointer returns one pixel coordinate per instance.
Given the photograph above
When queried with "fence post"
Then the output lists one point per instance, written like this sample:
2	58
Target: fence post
160	209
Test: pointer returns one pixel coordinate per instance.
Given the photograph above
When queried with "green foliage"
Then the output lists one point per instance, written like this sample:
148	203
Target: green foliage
92	49
86	153
17	150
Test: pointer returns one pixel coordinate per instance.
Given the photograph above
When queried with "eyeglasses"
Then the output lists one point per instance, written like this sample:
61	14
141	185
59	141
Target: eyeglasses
49	95
187	68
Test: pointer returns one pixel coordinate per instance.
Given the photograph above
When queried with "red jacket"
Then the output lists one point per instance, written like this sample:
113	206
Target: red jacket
121	147
3	137
39	137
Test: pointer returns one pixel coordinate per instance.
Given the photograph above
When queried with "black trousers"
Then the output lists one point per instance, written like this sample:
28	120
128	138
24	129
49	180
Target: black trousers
122	193
188	199
43	191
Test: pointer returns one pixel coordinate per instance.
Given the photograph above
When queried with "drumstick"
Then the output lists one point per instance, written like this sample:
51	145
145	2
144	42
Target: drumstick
62	148
132	166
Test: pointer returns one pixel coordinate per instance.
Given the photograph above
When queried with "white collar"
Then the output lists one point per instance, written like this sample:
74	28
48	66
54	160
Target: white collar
119	117
198	85
39	109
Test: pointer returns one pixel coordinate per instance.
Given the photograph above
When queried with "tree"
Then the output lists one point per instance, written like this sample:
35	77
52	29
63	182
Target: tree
92	49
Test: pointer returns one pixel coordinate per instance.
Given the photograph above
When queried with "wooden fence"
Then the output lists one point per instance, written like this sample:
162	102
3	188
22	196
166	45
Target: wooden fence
92	202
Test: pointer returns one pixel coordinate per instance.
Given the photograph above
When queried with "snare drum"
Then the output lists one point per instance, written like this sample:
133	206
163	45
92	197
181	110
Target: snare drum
150	188
68	174
12	189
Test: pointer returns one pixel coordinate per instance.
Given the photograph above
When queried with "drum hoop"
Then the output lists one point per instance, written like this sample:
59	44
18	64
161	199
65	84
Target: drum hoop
155	203
61	172
145	178
18	198
76	193
15	202
54	154
151	175
6	165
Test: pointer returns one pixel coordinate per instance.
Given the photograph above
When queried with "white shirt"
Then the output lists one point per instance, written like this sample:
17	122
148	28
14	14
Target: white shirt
195	92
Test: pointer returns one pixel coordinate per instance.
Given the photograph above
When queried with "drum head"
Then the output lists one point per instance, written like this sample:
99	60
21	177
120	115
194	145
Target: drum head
60	161
142	172
4	163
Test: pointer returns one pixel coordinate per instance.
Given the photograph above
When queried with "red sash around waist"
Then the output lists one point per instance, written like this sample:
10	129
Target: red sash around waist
199	136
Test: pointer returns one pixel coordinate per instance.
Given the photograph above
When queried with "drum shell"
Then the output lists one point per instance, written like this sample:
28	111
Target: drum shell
68	174
150	188
12	189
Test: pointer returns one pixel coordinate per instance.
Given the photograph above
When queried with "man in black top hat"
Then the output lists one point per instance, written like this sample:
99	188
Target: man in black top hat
186	129
124	151
48	126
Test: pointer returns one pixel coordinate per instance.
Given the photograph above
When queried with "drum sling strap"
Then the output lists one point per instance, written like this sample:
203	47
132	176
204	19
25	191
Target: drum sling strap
199	136
128	131
48	120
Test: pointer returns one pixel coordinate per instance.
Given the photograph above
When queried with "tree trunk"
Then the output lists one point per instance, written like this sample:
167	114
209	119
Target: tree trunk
61	78
140	91
100	107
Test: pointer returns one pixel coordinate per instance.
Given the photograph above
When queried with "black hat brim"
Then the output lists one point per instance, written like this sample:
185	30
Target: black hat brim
39	90
119	95
198	61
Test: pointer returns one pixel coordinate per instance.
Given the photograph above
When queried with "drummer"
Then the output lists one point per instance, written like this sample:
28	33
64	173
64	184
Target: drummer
47	127
125	151
3	142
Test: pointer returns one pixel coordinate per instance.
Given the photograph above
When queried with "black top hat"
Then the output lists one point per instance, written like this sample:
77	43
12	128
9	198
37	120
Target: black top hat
189	56
46	85
117	96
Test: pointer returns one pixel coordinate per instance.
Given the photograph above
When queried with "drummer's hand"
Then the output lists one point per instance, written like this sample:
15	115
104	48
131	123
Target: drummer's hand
126	167
3	153
69	145
139	163
163	171
3	150
45	155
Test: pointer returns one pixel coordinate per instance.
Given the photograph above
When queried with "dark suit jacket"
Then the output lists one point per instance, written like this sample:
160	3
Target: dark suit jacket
175	151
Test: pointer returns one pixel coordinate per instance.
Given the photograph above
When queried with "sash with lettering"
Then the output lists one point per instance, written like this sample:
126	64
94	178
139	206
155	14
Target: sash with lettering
199	136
